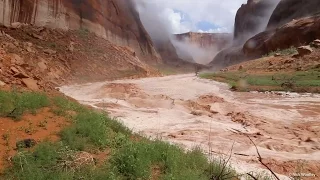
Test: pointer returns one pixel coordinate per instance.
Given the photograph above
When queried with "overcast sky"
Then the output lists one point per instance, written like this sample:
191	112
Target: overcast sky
195	15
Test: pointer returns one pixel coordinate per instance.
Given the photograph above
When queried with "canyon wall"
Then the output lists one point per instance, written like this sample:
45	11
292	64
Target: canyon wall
114	20
287	10
206	40
293	23
251	18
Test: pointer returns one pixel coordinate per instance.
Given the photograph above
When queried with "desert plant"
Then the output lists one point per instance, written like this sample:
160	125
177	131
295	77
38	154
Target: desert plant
289	51
14	104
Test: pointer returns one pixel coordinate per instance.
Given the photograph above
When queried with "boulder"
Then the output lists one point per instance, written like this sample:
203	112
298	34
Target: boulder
28	44
240	67
304	50
316	43
30	83
9	45
305	30
36	36
42	66
71	47
26	143
16	59
20	75
9	37
14	70
49	51
16	25
277	54
2	83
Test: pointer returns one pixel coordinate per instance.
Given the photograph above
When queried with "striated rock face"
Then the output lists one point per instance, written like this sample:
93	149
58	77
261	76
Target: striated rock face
206	40
292	23
252	18
291	18
304	31
114	20
287	10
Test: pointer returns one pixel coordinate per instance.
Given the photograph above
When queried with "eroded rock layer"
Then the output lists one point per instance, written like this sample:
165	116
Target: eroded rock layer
206	40
114	20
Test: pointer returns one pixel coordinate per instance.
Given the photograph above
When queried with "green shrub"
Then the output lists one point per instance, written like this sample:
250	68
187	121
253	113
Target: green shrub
135	161
94	129
67	105
297	81
129	159
89	128
63	105
48	162
83	33
289	51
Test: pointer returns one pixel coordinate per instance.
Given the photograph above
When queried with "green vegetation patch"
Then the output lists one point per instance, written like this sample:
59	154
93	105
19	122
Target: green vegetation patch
138	160
93	130
295	81
289	51
131	156
53	161
64	105
83	33
13	104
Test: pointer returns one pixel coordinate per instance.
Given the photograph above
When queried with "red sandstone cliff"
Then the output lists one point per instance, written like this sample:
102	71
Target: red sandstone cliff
287	10
201	47
293	23
251	18
206	40
115	20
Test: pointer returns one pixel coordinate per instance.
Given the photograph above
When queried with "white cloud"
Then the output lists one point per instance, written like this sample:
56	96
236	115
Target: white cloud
174	18
218	12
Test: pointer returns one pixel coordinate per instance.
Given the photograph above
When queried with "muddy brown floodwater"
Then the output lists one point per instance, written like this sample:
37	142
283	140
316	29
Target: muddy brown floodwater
189	111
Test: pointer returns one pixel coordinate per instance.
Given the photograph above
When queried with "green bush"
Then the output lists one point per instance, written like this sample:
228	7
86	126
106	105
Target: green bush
83	33
289	51
63	105
136	160
296	81
92	132
94	129
14	104
47	162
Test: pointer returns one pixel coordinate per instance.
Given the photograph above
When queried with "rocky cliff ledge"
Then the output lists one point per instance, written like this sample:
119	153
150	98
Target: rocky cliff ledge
206	40
114	20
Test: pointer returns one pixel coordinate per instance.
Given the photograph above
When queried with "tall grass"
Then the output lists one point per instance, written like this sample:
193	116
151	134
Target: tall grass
93	129
135	161
48	162
130	158
277	81
13	104
289	51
